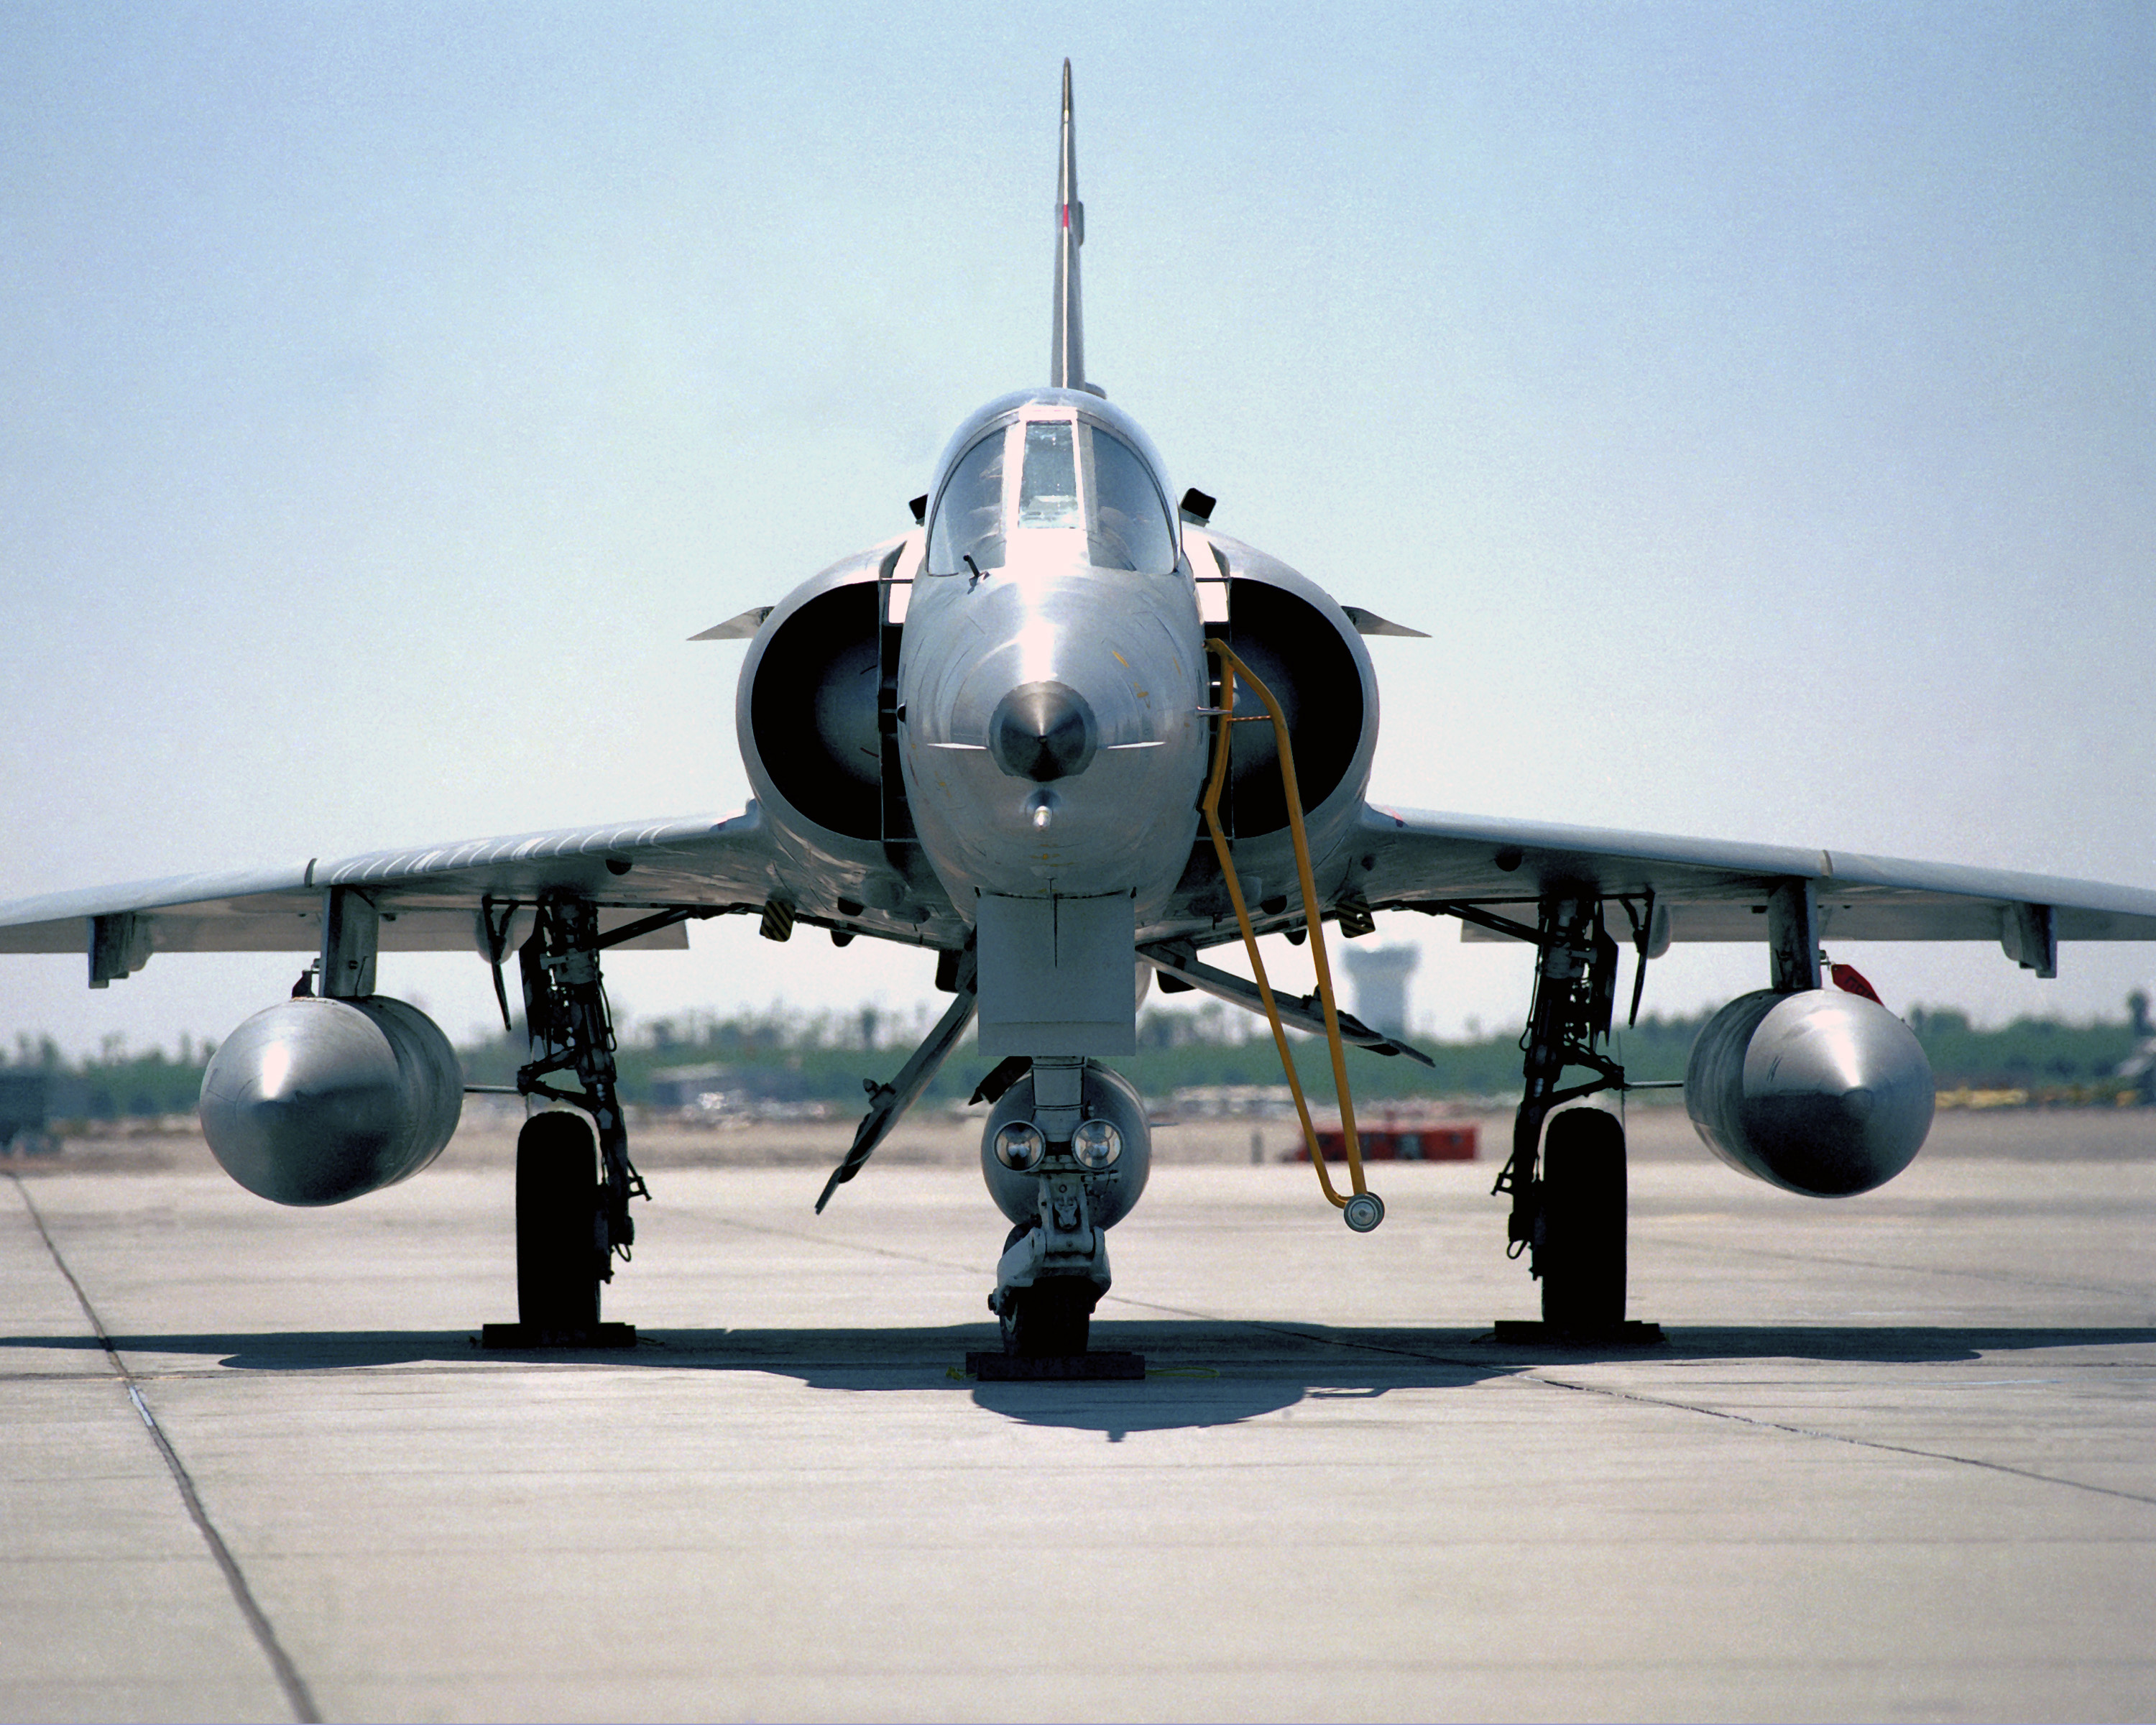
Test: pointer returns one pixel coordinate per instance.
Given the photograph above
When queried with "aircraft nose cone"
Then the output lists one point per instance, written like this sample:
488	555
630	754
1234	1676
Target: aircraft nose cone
1043	731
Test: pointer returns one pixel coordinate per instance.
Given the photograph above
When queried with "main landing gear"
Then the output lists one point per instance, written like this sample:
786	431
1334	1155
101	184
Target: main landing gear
558	1227
574	1187
1568	1183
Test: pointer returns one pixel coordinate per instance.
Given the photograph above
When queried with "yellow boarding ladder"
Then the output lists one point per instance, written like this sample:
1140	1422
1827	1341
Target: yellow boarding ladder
1362	1210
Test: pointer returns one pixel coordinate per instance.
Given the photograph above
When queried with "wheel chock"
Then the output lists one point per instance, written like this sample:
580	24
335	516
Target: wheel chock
1054	1368
1523	1332
567	1336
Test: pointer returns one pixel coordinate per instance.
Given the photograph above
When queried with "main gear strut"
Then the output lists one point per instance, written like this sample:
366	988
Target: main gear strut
571	1030
570	1227
1568	1189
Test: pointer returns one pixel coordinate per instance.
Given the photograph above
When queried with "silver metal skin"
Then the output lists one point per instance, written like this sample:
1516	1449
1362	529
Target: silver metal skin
314	1101
1792	937
846	864
1703	890
1053	741
1067	368
1066	1209
1034	683
1333	812
351	943
1821	1093
1111	1193
1044	731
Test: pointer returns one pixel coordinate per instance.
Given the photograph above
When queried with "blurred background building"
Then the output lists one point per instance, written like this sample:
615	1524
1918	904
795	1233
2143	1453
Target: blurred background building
1380	977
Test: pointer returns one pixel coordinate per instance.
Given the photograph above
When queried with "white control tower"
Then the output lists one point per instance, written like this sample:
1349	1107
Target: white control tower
1380	976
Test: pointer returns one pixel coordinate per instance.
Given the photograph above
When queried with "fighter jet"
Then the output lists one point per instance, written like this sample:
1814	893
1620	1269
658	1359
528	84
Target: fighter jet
1069	736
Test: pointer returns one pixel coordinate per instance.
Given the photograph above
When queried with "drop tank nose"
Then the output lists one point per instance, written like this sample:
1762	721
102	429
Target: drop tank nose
313	1101
1043	731
1821	1092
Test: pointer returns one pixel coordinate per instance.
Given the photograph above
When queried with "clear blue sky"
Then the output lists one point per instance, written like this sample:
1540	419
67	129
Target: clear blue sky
1754	402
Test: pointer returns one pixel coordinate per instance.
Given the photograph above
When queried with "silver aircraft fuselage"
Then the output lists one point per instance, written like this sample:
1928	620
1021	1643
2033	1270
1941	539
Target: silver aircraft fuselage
1052	671
987	737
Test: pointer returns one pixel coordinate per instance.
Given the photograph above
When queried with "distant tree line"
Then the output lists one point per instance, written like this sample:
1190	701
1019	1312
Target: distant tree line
826	1057
113	1083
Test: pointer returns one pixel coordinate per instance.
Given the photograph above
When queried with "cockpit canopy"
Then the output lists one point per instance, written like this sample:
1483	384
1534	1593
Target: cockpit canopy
1052	473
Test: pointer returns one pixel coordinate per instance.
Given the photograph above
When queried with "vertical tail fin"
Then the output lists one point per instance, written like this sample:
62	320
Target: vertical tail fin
1066	366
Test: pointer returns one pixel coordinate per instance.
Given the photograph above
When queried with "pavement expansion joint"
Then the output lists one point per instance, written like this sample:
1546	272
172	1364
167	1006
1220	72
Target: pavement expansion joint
297	1695
1286	1516
1854	1440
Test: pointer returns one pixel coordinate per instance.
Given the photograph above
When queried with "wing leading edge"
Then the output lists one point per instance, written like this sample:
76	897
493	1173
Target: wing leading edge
1709	890
431	898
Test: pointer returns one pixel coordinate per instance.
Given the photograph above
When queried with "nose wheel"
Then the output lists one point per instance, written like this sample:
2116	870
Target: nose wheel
1047	1323
1050	1320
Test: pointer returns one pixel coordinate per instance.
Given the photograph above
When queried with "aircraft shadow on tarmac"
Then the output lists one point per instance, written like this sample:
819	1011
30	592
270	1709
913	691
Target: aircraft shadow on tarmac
1199	1373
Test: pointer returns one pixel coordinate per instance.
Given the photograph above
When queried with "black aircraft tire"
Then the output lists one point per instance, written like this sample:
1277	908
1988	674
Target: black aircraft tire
1050	1320
1582	1255
557	1202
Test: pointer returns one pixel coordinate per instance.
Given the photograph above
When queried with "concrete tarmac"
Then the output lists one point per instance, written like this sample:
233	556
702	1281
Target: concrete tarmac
1898	1460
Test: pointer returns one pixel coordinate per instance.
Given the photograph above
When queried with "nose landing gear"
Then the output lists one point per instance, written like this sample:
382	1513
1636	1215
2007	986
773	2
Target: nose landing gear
1045	1329
1066	1153
1049	1320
